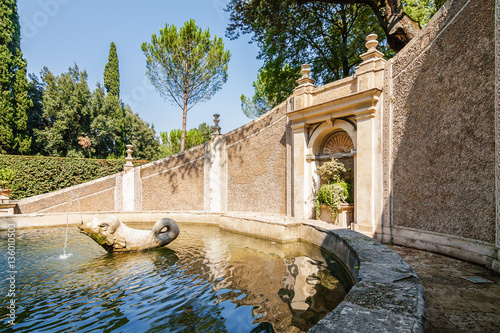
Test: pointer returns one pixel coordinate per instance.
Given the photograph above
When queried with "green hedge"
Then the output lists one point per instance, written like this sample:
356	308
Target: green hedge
40	174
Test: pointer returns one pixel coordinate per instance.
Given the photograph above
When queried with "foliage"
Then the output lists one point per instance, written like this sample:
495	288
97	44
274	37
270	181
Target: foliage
206	131
6	177
14	100
112	73
335	190
194	137
186	66
140	135
331	195
39	174
272	87
422	11
66	114
65	110
35	112
332	172
106	125
391	16
329	37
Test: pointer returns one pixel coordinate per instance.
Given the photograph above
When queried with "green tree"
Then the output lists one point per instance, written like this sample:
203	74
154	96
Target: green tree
399	22
328	37
421	11
14	101
194	137
106	126
205	131
186	66
35	112
392	18
66	112
141	136
272	87
112	73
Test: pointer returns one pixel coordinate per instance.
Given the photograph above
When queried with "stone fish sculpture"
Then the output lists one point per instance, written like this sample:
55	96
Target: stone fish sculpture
114	236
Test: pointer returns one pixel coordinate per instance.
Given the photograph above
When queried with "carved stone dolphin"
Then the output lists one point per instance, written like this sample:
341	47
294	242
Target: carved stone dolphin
114	236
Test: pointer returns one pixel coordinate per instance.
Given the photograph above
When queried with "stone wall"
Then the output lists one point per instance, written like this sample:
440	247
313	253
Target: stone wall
97	195
256	164
443	125
250	175
174	183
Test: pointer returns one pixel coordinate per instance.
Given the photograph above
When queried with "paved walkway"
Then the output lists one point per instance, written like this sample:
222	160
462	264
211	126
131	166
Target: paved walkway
453	303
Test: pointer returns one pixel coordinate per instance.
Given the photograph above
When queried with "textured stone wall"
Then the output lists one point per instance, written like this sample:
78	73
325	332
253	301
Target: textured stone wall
256	162
443	125
175	183
97	195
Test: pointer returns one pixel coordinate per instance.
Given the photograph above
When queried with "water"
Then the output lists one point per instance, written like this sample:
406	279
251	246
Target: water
64	255
207	280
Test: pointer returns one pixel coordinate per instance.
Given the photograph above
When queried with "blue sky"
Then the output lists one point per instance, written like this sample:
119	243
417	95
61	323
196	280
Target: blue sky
59	33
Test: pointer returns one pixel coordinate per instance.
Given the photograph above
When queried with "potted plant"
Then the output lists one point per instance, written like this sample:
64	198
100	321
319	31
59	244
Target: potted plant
334	190
6	177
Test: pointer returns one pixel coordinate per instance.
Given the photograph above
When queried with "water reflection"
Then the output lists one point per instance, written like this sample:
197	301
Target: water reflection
207	280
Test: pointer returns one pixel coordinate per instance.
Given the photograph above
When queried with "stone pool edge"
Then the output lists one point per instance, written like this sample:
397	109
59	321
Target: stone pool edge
387	295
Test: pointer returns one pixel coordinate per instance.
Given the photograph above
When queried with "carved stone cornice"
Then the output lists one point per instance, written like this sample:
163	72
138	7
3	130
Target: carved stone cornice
357	104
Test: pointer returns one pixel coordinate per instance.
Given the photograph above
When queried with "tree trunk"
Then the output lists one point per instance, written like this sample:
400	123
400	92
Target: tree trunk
184	116
398	26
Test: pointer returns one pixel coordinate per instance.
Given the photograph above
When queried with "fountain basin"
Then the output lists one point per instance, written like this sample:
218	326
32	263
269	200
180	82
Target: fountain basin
387	294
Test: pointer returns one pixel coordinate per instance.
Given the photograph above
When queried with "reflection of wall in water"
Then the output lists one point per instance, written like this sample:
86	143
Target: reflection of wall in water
216	260
309	290
300	282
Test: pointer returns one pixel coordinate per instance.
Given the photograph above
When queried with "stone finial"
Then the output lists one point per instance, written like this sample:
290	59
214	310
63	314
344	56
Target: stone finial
305	79
128	160
216	130
371	42
371	45
305	69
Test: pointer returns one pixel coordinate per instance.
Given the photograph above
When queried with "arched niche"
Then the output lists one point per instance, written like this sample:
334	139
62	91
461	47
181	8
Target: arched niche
325	130
337	142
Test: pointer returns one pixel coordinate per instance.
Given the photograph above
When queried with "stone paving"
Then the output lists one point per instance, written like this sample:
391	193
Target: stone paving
453	303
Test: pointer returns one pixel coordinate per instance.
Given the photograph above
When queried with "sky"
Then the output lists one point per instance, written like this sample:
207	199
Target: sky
59	33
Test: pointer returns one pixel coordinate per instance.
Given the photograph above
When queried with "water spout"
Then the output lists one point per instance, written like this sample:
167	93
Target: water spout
72	193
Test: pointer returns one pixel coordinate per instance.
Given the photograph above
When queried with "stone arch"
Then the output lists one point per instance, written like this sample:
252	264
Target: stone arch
323	132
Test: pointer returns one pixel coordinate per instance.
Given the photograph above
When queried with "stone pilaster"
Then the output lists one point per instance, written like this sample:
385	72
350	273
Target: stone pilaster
215	187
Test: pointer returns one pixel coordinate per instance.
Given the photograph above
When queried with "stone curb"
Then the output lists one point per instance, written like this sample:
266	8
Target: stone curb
387	295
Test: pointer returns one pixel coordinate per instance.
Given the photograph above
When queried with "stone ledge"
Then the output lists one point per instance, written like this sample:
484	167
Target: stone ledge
350	318
387	295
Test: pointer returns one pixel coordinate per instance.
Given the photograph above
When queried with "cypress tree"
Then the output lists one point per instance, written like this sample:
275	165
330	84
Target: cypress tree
14	100
111	72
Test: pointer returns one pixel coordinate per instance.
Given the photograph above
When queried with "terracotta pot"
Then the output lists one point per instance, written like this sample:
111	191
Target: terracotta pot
5	192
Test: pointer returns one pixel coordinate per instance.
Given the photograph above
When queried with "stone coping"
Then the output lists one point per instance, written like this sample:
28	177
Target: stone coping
387	295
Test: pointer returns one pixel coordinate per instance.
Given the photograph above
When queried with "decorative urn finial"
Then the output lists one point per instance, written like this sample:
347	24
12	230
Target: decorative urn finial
216	130
129	158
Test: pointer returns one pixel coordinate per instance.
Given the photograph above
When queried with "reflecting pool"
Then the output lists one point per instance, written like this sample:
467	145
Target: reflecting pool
207	280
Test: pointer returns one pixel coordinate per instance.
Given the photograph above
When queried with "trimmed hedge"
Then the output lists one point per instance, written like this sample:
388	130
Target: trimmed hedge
40	174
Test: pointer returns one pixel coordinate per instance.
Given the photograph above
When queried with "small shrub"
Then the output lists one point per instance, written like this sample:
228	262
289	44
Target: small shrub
335	191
